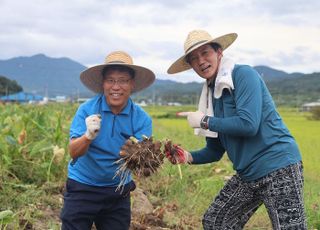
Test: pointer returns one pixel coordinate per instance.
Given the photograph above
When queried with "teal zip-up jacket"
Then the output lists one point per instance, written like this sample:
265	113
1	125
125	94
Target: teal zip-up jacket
249	129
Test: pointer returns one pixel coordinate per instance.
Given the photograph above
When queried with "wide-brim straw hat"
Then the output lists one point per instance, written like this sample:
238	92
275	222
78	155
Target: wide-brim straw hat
92	77
195	39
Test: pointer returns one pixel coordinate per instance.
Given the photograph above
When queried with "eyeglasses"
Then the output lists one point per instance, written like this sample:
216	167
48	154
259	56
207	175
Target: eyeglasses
120	82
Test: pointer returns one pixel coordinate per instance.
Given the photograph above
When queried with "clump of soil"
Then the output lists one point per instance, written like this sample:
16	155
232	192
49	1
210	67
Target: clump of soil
144	216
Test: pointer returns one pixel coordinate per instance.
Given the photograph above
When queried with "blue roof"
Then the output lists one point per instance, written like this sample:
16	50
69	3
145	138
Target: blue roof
22	97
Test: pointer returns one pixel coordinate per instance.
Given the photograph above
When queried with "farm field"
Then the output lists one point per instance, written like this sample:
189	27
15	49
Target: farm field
33	168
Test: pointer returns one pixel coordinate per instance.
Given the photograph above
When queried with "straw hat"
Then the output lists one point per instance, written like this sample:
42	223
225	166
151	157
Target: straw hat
195	39
92	77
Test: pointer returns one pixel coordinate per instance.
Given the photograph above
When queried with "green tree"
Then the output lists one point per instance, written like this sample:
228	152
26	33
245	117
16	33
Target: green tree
9	86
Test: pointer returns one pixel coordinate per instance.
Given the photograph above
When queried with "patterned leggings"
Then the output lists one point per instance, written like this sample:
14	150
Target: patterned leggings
280	191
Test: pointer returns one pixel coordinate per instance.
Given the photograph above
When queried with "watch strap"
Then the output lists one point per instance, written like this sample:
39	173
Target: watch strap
204	124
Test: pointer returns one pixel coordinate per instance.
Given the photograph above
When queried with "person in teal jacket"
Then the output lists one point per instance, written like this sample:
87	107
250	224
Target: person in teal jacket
240	119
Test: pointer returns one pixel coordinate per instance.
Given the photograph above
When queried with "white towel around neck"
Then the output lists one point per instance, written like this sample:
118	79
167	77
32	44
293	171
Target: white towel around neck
223	81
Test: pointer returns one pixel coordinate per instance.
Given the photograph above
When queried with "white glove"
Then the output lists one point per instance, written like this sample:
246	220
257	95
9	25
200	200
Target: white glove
93	123
194	118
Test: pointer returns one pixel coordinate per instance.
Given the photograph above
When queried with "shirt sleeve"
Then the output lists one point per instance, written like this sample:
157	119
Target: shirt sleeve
78	125
211	153
248	102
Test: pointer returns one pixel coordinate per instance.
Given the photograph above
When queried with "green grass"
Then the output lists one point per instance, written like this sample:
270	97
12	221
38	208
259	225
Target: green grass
30	183
307	135
200	184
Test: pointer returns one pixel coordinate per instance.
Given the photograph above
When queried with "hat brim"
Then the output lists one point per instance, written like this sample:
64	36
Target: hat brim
181	64
93	80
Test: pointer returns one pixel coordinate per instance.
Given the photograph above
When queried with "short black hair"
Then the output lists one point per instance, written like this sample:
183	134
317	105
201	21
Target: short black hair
120	68
214	45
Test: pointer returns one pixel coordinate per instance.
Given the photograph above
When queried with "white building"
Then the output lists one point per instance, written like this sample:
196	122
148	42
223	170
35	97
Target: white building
310	105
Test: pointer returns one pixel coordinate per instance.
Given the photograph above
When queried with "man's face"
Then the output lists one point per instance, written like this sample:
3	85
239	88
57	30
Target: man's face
117	87
205	61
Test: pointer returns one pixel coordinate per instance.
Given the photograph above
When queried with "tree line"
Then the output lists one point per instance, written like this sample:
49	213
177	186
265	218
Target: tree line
8	86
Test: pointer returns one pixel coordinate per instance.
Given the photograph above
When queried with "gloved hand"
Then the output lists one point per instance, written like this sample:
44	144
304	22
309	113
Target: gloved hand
176	154
93	123
194	118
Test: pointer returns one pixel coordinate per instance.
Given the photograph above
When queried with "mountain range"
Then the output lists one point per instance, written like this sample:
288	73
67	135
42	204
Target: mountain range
51	77
45	75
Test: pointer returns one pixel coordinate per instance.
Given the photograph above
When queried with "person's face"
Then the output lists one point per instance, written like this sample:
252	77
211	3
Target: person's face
205	61
117	87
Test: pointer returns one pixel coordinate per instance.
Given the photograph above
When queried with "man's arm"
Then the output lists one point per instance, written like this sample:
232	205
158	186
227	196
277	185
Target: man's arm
78	146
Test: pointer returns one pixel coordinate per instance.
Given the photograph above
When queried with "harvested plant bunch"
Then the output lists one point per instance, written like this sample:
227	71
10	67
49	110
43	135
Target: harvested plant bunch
142	158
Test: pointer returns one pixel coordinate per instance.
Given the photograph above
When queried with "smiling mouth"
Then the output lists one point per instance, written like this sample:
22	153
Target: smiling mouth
204	69
115	95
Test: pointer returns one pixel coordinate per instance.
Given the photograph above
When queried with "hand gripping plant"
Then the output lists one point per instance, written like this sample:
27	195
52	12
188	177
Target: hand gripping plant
175	154
142	158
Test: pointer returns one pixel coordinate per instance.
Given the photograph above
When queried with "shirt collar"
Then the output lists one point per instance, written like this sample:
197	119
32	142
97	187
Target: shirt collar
211	83
106	108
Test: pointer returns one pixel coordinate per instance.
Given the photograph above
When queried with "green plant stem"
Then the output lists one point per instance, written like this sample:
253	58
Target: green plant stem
49	169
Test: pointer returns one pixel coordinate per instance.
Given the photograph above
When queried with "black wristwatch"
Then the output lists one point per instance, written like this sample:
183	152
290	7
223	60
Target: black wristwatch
204	124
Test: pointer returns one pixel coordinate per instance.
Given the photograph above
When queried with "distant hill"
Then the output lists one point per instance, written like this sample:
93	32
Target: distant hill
297	90
291	89
171	91
45	75
269	74
60	76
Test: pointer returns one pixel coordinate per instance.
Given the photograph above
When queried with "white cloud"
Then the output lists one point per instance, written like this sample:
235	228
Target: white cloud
281	34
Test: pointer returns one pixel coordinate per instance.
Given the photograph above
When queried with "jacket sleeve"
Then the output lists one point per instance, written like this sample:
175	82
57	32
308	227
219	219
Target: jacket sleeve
248	95
213	151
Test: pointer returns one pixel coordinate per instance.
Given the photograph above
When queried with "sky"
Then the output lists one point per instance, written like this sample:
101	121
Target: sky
282	34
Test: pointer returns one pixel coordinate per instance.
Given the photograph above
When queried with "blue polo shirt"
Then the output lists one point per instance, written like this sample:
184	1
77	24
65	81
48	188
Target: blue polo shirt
97	166
249	129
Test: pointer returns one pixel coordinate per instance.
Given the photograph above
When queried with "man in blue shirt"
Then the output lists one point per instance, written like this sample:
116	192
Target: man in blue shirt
97	133
238	116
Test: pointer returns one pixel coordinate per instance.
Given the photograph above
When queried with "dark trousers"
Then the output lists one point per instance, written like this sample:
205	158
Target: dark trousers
103	206
280	191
